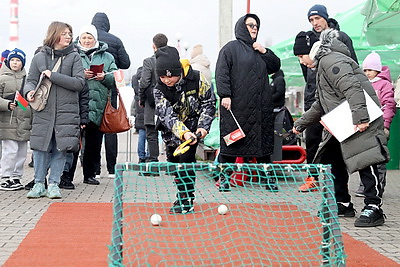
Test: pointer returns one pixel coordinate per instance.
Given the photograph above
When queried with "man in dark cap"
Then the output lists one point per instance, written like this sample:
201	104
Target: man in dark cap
318	17
185	106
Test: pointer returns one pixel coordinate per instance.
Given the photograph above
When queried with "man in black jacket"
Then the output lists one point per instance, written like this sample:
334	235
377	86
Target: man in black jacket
117	49
319	19
147	83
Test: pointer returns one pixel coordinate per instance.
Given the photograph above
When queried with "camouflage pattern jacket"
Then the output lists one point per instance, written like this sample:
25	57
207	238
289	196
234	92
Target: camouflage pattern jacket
187	106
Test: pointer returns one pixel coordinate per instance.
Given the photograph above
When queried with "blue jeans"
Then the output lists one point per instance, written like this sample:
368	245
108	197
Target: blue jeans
141	148
69	159
52	158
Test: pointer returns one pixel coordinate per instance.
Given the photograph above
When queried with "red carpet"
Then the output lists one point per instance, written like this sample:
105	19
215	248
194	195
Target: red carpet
77	234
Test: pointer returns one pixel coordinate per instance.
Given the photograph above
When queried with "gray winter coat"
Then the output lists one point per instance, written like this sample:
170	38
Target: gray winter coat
61	114
339	78
20	126
147	82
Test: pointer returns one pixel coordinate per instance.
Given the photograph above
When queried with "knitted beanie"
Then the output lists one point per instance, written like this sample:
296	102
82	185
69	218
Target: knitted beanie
303	43
319	10
18	53
4	55
89	29
167	62
372	62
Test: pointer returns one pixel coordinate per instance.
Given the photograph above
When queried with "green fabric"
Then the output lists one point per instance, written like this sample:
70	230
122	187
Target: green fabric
212	139
352	23
99	90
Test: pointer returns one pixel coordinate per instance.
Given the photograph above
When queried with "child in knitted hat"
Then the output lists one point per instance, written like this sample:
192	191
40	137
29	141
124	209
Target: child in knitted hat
185	105
15	121
379	76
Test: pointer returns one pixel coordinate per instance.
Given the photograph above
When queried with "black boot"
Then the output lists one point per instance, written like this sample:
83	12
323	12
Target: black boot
271	185
224	182
30	185
66	181
183	204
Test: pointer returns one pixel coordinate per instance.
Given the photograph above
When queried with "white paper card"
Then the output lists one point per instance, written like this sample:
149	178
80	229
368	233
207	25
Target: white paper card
339	121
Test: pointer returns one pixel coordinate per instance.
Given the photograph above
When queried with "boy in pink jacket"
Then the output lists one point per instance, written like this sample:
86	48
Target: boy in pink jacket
379	76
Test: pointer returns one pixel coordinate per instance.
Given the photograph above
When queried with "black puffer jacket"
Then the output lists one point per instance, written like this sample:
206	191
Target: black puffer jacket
278	89
115	45
242	74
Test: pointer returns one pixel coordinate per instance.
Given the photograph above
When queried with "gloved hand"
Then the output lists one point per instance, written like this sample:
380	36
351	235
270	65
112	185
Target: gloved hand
387	132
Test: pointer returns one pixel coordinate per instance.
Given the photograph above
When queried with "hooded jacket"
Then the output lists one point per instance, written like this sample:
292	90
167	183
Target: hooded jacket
115	45
339	78
384	89
242	74
20	126
61	114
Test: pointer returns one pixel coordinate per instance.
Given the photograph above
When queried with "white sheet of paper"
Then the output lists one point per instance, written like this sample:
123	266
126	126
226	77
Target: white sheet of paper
339	122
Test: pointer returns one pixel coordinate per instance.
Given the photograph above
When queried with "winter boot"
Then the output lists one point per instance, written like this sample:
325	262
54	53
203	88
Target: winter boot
183	204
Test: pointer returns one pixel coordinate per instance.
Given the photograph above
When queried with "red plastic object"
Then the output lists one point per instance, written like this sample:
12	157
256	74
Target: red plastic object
292	155
239	177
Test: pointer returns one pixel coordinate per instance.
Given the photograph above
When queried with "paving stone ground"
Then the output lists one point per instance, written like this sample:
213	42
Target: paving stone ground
19	215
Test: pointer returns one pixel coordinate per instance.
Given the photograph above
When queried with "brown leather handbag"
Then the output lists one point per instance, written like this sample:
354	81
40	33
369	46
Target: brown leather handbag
115	120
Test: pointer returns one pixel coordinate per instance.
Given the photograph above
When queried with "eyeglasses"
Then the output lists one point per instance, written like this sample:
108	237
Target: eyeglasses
252	26
64	34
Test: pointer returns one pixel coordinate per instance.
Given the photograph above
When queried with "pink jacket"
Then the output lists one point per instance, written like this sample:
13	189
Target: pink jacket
385	91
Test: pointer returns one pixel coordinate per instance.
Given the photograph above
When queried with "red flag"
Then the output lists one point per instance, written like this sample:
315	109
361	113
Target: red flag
21	100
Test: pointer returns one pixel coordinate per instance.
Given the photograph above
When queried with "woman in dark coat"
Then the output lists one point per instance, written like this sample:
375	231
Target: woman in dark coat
55	129
243	86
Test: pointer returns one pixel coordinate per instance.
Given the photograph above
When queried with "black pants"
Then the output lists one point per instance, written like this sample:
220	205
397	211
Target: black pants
332	154
91	155
152	142
111	145
185	180
313	138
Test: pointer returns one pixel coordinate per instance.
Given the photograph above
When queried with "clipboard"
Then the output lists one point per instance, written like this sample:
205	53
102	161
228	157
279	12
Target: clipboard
339	121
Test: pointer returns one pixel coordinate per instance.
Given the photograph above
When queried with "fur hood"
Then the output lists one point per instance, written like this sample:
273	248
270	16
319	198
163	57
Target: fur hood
329	43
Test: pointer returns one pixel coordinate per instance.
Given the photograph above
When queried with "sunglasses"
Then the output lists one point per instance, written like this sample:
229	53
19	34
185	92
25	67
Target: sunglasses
252	26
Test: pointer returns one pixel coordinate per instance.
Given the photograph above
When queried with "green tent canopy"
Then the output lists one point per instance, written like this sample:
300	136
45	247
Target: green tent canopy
382	20
351	22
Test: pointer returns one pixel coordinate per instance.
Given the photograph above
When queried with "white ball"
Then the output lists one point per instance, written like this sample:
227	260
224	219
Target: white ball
155	219
222	209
